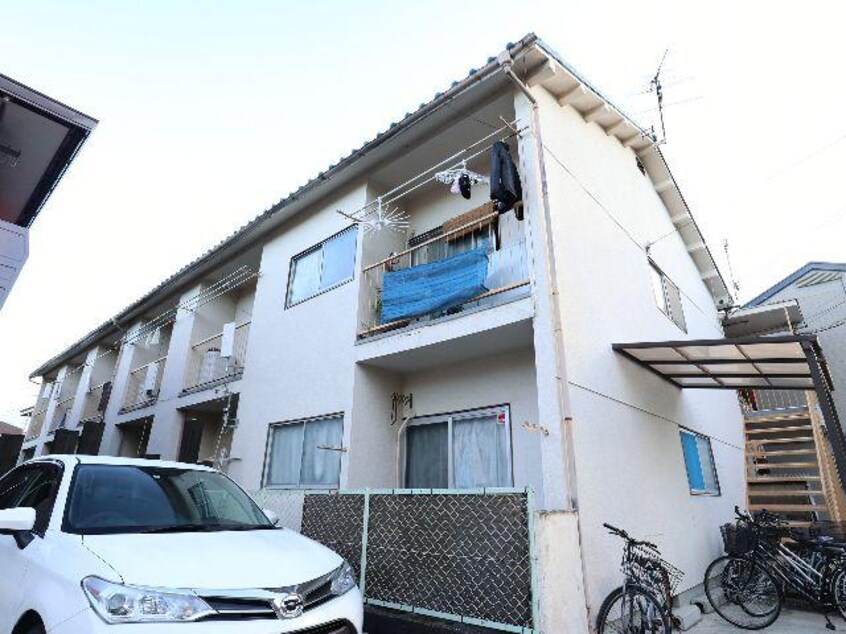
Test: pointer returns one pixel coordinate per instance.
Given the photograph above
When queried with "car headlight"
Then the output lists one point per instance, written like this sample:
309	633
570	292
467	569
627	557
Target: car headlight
343	580
118	603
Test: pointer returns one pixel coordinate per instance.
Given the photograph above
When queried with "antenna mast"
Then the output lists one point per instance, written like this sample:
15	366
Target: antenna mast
656	87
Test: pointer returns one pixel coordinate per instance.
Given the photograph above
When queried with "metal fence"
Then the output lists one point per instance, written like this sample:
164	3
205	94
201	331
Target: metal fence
461	555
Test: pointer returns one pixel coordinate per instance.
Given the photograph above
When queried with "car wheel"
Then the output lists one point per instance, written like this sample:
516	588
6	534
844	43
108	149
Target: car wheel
30	626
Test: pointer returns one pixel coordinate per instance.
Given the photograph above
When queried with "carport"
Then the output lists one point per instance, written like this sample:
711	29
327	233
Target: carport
789	362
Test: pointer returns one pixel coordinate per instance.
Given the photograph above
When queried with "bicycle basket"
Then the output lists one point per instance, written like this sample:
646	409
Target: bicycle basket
738	538
653	572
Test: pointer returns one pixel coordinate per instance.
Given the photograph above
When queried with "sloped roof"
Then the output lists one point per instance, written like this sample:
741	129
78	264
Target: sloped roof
796	276
10	430
586	99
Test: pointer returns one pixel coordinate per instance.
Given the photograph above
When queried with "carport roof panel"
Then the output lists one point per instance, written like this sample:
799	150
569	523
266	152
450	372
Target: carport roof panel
759	362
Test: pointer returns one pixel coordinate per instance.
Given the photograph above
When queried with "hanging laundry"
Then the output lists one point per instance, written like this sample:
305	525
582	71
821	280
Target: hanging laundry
505	181
432	287
464	185
461	179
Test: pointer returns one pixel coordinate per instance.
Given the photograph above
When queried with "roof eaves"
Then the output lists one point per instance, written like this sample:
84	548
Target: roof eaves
793	277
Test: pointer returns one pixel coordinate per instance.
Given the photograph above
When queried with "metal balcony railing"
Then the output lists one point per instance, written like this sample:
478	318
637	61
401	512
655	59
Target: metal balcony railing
508	271
206	365
94	406
754	401
142	388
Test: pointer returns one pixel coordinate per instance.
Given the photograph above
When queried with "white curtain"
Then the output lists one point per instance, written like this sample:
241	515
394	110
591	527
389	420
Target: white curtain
479	453
427	457
305	281
285	455
322	466
703	447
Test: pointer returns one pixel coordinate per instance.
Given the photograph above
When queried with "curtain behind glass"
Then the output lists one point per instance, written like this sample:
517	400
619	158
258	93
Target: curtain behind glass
427	457
322	466
338	259
479	449
305	280
285	455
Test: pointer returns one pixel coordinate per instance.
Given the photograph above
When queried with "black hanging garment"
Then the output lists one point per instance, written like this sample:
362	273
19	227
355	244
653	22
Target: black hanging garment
505	181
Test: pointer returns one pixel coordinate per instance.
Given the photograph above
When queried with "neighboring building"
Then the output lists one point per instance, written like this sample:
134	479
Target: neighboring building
7	429
818	291
301	353
39	138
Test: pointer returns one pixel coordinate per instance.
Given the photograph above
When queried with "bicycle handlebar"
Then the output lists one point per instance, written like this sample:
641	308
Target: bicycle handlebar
619	532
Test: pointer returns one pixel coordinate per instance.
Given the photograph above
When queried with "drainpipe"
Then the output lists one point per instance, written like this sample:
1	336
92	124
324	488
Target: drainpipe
506	63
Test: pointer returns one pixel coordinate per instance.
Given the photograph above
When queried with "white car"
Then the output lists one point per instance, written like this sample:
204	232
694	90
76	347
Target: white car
111	545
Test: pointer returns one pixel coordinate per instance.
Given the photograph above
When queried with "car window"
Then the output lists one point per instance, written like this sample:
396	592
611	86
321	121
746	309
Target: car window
32	486
12	486
133	499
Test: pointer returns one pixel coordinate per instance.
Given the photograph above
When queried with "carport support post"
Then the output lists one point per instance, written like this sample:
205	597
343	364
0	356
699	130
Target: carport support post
835	431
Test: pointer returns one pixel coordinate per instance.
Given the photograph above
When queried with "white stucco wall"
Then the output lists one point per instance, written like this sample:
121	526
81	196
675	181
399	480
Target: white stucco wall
300	360
629	464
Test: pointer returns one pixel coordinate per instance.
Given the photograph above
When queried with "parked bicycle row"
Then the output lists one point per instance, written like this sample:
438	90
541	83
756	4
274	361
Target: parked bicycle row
765	562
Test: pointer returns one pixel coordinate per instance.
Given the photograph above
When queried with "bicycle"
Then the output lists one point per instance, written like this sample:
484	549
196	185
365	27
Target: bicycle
643	604
764	562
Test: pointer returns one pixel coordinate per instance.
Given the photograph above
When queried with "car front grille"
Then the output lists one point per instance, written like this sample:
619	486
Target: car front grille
338	627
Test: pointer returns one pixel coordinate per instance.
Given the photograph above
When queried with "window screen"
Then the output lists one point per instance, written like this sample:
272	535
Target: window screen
322	267
305	454
699	464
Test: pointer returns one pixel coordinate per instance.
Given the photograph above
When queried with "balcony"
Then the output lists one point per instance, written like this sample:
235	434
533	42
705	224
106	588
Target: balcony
60	416
472	261
217	358
36	423
142	388
95	402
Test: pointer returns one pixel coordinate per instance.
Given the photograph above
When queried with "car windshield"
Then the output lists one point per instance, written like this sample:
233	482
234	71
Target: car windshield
108	499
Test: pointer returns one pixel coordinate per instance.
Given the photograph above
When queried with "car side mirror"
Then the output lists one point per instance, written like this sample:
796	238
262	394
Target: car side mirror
272	516
18	523
21	519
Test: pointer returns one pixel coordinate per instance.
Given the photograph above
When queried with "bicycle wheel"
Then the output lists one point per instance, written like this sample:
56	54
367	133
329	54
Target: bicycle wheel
837	588
633	610
743	592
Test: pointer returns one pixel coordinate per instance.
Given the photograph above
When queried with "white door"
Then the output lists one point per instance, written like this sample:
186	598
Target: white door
31	486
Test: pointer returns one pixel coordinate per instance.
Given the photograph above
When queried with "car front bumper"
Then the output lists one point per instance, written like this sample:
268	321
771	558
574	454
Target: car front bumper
348	607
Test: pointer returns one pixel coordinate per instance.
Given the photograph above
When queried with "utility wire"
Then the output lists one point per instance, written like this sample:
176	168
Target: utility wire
608	213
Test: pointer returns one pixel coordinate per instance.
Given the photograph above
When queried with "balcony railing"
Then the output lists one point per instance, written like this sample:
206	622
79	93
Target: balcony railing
507	269
206	365
36	423
142	388
61	413
754	401
95	404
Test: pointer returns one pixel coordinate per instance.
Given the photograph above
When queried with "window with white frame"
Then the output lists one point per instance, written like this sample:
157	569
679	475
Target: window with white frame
305	453
699	464
464	450
322	267
667	296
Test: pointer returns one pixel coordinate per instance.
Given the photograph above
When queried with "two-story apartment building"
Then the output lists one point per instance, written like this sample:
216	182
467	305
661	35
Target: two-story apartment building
391	326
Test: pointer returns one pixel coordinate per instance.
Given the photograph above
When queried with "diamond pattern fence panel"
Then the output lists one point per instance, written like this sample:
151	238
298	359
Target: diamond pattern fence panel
463	555
459	554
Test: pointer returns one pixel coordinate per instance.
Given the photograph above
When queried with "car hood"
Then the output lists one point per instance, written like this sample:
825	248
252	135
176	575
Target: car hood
217	560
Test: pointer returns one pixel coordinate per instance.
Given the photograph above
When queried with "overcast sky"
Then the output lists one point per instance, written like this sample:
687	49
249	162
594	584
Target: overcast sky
212	111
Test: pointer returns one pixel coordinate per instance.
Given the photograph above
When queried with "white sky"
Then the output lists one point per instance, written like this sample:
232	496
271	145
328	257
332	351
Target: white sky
212	111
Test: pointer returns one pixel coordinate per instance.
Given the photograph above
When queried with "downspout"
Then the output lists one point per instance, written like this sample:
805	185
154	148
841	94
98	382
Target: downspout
506	62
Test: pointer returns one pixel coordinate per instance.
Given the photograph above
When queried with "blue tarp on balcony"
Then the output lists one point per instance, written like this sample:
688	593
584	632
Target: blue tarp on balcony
429	288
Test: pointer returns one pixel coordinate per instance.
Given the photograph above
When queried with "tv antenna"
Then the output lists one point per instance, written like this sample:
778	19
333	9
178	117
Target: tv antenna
656	87
734	283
